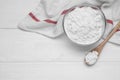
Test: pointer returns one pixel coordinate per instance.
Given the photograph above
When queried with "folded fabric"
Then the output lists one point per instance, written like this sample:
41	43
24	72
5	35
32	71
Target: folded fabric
47	17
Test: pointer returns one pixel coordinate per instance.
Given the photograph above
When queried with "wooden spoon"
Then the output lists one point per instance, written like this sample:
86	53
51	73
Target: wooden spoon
92	57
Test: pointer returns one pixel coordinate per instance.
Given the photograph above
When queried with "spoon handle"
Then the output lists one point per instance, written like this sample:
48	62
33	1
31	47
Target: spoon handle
100	46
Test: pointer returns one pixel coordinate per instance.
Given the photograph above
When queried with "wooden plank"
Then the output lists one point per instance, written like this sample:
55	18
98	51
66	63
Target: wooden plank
59	71
13	11
20	46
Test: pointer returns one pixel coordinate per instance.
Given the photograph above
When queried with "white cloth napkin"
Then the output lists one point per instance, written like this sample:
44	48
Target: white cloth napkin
47	17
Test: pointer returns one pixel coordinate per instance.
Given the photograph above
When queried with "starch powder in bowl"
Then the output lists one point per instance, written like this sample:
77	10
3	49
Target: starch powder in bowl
84	25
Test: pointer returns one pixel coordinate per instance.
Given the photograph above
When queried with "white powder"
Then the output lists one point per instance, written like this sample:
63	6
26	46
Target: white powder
91	58
84	25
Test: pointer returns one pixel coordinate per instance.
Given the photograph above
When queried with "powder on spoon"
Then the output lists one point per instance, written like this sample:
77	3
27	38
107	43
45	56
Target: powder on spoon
84	25
91	58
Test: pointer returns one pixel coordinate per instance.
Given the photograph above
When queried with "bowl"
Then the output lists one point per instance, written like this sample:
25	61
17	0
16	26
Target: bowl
77	24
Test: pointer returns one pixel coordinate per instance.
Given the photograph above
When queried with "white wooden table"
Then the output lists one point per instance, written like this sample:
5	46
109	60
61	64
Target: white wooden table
30	56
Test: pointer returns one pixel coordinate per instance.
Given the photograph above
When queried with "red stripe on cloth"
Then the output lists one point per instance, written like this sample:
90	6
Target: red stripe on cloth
66	11
118	30
50	21
36	19
109	21
33	17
